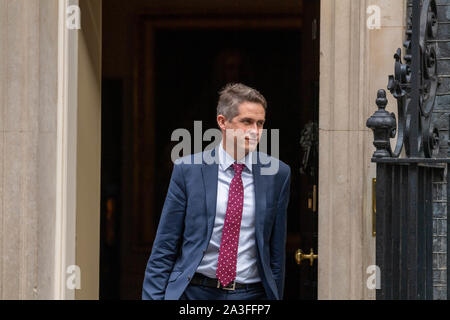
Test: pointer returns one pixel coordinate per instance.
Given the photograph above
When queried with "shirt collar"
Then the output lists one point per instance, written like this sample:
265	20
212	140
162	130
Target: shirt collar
225	160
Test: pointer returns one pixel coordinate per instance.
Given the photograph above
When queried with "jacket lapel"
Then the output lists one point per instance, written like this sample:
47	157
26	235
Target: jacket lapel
260	200
210	174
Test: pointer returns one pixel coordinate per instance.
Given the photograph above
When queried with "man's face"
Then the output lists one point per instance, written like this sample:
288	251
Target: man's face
244	130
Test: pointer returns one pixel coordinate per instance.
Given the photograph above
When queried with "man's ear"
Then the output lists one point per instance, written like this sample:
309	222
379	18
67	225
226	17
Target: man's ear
221	121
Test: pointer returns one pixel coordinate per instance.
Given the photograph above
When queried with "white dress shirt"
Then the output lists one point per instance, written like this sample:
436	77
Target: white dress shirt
246	269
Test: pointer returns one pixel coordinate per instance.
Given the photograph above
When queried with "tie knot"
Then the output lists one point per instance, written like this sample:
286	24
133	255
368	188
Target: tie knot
238	168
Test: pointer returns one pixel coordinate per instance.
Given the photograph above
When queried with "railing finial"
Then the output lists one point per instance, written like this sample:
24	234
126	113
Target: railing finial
383	125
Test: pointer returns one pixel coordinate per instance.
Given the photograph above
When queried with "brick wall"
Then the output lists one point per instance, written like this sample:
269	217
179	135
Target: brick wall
440	237
441	119
441	109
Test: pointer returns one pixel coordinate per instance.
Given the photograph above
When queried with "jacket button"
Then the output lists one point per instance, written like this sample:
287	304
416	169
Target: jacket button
189	278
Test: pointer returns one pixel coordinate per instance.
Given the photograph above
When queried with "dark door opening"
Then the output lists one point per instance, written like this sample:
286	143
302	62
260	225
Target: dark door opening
179	71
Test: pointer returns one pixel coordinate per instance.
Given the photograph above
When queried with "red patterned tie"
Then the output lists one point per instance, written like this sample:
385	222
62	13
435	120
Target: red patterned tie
226	266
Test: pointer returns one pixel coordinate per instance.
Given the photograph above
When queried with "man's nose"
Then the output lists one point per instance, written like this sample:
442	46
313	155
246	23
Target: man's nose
253	131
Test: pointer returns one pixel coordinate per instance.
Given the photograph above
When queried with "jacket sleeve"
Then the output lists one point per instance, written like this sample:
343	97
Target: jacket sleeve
278	238
167	241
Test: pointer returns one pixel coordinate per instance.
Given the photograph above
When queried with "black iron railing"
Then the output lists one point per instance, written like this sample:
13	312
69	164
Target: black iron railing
405	174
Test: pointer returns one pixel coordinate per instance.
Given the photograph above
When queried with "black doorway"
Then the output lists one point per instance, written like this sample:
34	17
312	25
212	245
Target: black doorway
189	66
192	66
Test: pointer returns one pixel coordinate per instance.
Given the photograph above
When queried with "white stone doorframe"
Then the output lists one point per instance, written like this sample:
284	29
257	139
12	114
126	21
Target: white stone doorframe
65	225
77	227
354	63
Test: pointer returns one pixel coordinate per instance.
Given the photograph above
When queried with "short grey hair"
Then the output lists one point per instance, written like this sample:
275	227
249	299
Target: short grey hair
233	95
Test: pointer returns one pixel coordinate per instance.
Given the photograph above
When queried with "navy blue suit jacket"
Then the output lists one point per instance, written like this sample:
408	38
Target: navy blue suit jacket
187	221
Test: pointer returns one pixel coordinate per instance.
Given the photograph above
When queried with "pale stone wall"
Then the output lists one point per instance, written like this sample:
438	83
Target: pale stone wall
49	150
28	104
355	63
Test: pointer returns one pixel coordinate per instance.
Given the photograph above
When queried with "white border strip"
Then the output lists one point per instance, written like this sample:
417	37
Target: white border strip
66	148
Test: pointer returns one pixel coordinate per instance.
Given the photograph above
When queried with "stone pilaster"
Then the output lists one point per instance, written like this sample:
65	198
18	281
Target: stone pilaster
355	63
28	104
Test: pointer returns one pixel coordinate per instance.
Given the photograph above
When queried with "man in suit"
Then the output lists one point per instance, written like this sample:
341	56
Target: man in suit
222	231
